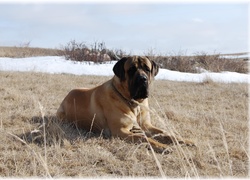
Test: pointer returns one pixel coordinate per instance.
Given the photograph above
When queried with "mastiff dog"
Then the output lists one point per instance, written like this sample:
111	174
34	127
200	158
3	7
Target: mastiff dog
119	107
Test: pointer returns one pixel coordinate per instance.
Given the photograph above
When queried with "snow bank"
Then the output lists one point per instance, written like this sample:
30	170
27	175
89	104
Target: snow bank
241	56
58	65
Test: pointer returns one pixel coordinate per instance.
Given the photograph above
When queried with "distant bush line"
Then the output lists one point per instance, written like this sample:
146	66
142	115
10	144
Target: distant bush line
202	62
98	53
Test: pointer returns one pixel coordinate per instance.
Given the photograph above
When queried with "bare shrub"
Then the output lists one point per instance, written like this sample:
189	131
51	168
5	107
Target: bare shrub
239	66
75	51
97	53
213	63
176	63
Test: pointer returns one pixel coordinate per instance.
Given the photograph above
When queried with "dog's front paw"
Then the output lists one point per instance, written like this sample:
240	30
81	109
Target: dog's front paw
166	139
162	138
136	130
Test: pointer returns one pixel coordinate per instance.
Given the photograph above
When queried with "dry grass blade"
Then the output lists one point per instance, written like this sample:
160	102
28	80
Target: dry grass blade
216	160
44	136
224	140
156	159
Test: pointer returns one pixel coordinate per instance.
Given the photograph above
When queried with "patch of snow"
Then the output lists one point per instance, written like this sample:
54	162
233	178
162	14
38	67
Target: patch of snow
58	65
242	56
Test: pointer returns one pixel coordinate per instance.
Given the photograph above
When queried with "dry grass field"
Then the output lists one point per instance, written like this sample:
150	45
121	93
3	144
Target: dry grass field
34	144
22	52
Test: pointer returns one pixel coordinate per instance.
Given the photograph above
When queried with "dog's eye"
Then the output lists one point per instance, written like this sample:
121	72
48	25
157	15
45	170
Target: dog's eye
132	70
147	69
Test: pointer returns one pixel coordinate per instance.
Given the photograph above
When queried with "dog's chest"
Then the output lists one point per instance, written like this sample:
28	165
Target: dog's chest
136	111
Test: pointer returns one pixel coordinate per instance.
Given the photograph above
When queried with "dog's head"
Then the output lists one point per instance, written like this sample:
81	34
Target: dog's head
137	72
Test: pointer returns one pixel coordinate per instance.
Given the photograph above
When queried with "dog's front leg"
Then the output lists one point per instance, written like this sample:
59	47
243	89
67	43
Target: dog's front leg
159	134
163	137
137	135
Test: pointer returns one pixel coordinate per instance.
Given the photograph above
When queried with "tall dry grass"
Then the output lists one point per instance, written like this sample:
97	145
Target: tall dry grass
213	115
22	52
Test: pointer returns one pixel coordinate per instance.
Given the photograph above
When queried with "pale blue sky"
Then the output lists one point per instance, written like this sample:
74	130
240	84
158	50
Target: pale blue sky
137	28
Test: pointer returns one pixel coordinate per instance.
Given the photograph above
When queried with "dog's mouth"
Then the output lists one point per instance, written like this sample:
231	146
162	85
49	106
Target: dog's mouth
139	89
141	93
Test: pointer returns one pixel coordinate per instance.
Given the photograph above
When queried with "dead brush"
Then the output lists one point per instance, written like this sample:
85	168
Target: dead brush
177	63
213	63
97	52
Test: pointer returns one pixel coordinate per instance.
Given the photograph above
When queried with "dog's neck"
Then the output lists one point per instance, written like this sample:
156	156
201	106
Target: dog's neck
130	102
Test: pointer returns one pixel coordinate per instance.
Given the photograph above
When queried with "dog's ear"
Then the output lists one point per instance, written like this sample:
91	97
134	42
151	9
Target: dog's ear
119	68
155	68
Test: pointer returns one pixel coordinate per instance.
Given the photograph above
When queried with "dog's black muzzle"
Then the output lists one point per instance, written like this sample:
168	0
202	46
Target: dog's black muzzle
139	89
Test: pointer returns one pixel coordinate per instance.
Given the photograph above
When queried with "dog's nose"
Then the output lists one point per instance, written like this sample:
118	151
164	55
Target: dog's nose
143	79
